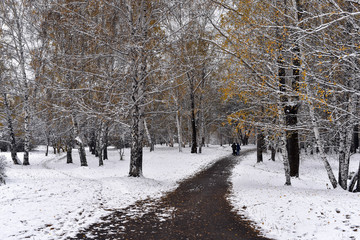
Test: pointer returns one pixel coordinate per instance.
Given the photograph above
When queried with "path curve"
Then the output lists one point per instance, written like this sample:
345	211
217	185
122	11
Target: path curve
197	209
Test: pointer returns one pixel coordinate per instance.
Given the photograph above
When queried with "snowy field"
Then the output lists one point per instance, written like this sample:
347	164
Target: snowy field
306	210
51	199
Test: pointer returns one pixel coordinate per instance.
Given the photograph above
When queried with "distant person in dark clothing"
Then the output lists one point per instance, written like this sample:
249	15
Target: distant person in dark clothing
238	148
233	146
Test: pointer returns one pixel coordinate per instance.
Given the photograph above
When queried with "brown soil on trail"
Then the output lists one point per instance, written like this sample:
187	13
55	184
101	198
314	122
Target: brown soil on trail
196	210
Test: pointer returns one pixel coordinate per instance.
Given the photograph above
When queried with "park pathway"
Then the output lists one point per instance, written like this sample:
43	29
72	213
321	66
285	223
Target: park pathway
196	210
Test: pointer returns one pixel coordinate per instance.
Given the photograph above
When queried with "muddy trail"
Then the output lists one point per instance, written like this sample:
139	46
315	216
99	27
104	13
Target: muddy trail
197	209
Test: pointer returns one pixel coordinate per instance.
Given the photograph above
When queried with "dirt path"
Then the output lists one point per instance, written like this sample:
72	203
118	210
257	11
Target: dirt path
197	209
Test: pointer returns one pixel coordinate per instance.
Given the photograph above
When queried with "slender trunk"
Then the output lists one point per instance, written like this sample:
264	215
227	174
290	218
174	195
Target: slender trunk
273	153
179	132
323	155
14	156
151	145
100	144
346	135
47	144
193	119
285	159
92	144
69	146
25	83
105	152
221	137
121	153
106	142
83	161
136	156
358	180
282	106
282	100
355	139
259	146
343	172
170	136
291	110
318	141
201	116
354	180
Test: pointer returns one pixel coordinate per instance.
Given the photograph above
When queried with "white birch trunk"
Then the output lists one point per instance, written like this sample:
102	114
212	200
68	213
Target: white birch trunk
22	62
318	138
79	142
283	147
178	126
100	144
14	156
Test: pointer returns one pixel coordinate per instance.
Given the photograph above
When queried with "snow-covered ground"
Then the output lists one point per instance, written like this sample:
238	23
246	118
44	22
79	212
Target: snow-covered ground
51	199
306	210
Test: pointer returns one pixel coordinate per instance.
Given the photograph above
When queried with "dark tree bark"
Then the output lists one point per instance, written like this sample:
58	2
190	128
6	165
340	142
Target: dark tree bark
83	161
105	154
355	140
69	152
260	146
358	180
291	111
292	141
47	146
193	119
92	143
273	153
14	156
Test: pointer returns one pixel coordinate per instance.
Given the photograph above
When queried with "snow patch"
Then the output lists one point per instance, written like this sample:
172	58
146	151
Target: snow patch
309	209
53	200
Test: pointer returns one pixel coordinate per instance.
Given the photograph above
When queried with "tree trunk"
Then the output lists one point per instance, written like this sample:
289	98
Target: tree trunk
259	146
346	136
136	157
83	161
14	156
201	114
47	144
100	144
318	141
179	131
106	142
292	140
69	152
27	137
105	151
358	180
353	181
273	153
193	119
151	145
355	139
343	162
137	127
282	100
285	159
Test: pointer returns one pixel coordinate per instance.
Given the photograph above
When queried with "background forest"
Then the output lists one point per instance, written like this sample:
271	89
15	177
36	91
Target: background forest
95	73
